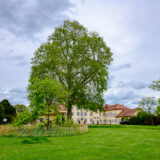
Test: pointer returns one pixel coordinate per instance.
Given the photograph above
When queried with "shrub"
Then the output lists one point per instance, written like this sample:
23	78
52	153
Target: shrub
41	125
144	118
58	120
22	118
34	140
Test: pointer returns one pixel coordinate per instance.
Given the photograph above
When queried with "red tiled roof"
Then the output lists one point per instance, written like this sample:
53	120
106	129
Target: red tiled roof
108	107
127	112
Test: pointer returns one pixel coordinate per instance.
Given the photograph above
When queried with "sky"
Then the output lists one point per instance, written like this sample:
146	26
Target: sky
131	28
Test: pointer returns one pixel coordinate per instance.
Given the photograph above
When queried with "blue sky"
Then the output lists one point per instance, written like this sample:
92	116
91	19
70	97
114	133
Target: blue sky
130	28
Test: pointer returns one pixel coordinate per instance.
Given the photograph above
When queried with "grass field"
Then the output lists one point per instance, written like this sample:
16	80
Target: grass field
129	143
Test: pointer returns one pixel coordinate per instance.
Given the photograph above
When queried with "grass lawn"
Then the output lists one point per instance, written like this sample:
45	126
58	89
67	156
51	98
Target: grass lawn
129	143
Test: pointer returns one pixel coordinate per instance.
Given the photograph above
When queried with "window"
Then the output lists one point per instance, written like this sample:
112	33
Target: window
81	113
72	113
91	120
90	113
77	113
85	114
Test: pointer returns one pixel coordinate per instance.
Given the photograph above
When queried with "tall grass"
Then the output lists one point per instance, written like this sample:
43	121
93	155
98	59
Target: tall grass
41	131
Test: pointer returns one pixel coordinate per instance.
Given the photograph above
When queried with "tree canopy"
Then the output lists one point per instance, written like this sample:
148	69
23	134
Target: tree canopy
148	104
6	111
155	85
20	108
44	96
79	60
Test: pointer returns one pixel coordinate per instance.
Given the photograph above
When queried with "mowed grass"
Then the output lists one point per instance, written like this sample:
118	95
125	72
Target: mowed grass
129	143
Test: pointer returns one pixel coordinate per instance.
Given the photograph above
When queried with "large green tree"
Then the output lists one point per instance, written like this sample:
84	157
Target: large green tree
79	59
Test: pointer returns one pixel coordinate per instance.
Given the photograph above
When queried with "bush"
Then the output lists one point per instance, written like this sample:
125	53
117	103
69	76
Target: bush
22	118
144	118
41	125
58	120
34	140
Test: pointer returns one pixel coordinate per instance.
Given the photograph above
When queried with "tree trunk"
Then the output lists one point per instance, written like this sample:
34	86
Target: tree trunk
48	120
69	111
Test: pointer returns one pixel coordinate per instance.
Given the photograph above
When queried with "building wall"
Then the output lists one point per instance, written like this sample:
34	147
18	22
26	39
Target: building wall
84	116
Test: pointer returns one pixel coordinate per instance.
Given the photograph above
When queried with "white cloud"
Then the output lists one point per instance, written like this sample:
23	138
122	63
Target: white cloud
130	29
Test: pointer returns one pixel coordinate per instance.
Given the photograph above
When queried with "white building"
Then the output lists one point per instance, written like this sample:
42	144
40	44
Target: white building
112	114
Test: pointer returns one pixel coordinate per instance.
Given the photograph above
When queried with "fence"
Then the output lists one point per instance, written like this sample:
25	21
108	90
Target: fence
35	131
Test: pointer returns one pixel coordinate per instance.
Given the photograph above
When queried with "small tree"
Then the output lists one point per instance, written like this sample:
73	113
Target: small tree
148	104
44	95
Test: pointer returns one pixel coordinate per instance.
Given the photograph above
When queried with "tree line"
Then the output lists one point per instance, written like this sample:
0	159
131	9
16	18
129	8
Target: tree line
150	109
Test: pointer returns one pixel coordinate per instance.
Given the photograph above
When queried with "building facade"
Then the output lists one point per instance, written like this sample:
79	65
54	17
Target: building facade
112	114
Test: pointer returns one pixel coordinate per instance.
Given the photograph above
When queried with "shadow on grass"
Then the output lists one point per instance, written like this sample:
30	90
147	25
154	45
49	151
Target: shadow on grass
35	140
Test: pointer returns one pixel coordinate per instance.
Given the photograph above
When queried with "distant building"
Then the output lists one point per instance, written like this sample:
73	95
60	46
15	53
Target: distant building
112	114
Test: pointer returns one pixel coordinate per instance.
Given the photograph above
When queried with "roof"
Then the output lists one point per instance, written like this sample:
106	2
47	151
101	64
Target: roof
127	112
108	107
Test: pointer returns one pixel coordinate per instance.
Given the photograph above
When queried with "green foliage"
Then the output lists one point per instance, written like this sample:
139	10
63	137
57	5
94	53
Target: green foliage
44	95
145	118
35	140
23	118
125	119
79	60
148	104
58	120
155	85
70	121
20	108
157	111
41	125
6	111
63	119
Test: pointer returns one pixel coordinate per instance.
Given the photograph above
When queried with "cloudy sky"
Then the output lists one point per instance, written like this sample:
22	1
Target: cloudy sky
130	28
